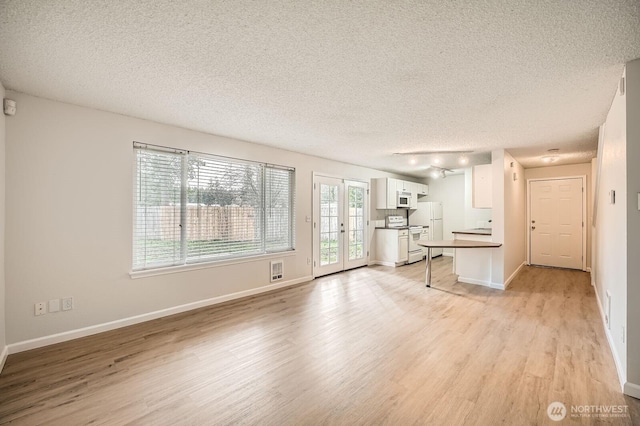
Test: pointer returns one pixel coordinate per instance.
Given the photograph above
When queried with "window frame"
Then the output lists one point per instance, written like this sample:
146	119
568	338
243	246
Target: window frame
189	263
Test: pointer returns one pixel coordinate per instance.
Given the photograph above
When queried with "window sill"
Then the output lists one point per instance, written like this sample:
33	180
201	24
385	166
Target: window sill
206	265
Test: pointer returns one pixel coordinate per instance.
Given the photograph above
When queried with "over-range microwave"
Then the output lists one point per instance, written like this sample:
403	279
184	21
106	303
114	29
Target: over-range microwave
404	200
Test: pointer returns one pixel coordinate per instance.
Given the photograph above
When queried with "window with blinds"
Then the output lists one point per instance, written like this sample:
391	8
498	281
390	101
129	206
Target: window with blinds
193	207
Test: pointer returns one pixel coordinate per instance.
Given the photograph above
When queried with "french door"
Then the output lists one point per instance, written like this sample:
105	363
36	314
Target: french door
340	219
556	228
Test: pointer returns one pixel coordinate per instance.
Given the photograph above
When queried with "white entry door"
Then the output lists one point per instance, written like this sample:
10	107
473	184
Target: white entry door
339	225
556	228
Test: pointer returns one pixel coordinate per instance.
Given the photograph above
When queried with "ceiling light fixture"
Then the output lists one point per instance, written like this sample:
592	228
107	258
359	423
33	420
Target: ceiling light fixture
436	160
552	157
439	172
463	160
413	161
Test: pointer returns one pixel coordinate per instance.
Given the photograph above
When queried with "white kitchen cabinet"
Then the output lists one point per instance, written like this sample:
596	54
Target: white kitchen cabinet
386	195
386	190
423	189
392	246
413	188
482	187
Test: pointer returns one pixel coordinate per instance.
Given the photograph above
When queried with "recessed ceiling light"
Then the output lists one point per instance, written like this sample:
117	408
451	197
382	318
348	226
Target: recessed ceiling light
463	160
435	174
413	161
549	158
436	160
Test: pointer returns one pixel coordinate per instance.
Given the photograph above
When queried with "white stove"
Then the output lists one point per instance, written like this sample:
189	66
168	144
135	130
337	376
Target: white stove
396	222
415	251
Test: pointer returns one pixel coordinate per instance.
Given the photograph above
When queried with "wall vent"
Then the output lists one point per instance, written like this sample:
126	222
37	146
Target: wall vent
277	270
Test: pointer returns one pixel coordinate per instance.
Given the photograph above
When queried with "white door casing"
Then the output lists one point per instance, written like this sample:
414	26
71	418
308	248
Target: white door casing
340	224
556	222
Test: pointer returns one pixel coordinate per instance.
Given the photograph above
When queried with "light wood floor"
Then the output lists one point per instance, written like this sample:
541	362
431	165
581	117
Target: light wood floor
369	346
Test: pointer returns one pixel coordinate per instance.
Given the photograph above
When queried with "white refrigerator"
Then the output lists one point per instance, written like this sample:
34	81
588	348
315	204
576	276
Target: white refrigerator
429	214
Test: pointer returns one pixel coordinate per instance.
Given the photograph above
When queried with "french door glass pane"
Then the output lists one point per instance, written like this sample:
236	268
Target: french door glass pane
328	224
356	222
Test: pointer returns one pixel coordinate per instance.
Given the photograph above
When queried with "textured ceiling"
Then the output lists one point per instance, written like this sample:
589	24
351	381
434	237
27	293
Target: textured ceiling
352	81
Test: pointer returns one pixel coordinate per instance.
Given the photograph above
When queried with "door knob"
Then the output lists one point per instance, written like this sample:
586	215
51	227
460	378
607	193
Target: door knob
533	227
533	221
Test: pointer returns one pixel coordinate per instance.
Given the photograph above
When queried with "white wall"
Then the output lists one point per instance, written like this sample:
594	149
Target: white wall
3	339
594	241
611	228
451	192
514	217
633	227
69	217
497	213
472	216
569	170
508	211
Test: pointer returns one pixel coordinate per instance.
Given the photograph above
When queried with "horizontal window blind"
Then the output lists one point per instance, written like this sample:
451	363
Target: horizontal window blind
157	192
224	212
279	200
194	207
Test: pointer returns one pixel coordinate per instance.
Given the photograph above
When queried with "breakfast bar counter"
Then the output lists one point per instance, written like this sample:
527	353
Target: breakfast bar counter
456	244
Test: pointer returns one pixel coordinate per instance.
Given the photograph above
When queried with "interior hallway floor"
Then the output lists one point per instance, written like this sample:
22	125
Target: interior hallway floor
367	346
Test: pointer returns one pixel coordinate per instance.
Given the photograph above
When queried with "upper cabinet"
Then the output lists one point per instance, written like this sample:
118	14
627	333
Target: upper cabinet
482	188
386	190
422	189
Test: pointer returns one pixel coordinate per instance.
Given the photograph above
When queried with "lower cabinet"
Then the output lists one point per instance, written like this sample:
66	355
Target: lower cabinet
392	246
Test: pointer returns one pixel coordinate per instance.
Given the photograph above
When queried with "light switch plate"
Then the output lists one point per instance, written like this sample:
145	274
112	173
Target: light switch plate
54	305
612	196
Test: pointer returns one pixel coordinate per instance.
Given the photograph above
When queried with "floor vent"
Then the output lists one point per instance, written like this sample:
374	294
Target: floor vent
277	270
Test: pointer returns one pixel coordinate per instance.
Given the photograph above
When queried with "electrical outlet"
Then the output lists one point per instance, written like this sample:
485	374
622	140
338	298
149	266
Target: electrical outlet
54	305
40	308
67	303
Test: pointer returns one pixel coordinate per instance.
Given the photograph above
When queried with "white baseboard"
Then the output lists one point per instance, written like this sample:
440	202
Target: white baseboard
384	263
447	254
512	277
3	357
631	389
616	359
490	284
112	325
474	281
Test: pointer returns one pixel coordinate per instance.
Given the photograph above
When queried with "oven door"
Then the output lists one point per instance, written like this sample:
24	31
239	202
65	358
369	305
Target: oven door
414	236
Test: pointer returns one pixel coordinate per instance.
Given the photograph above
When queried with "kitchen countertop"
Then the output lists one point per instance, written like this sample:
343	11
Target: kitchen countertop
474	231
